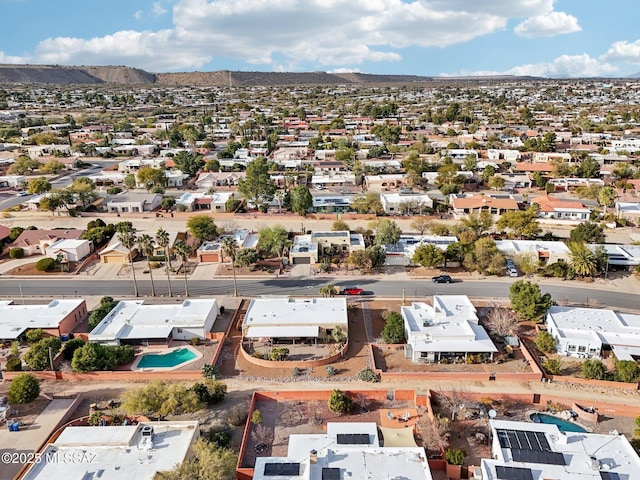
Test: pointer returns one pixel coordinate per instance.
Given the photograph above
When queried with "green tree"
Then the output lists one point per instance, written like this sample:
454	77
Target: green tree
496	183
587	232
594	370
246	257
207	462
127	237
367	203
523	223
232	204
188	162
479	223
150	177
40	354
421	225
393	331
528	301
202	227
23	165
257	186
488	173
38	186
162	240
160	399
106	305
71	346
552	366
377	255
130	181
485	257
454	456
339	402
83	188
301	200
428	255
359	259
24	388
146	247
273	239
588	168
582	260
607	197
182	251
230	250
340	226
545	342
387	232
627	371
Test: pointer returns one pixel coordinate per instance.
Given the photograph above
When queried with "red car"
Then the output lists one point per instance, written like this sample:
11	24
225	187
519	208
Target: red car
352	291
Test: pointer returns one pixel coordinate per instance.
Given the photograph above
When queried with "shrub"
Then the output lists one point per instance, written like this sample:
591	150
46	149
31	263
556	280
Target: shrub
279	353
40	354
16	252
593	370
14	365
393	331
114	190
552	366
368	375
25	388
46	265
339	402
220	435
71	346
545	342
296	372
627	371
195	341
209	371
238	415
35	335
454	456
256	417
331	371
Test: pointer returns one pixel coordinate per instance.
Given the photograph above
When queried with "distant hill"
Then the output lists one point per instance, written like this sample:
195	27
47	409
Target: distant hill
120	75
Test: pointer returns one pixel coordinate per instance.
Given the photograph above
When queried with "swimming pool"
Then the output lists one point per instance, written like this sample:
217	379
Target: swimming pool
563	425
170	359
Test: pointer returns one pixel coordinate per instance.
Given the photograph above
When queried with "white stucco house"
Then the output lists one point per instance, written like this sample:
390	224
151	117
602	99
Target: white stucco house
446	331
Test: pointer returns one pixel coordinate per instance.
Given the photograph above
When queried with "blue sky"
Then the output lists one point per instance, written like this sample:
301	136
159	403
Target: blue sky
574	38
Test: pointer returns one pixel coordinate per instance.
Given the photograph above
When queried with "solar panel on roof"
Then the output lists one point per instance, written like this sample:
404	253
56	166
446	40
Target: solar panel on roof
513	439
534	444
513	473
281	469
353	439
542	439
503	439
537	456
523	442
609	476
330	474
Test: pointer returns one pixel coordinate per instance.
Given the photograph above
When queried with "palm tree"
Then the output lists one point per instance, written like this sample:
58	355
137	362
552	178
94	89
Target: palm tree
279	196
607	197
583	261
230	249
127	237
183	250
162	240
146	247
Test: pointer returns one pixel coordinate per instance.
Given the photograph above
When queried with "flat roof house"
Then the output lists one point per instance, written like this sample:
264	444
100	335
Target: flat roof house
133	202
536	451
583	332
405	203
135	322
347	450
56	318
547	252
311	247
496	204
116	452
447	330
287	319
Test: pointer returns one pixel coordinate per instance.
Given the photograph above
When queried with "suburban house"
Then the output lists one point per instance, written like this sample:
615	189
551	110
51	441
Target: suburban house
118	450
57	318
515	180
628	211
402	252
294	320
310	248
12	181
211	252
546	252
4	234
348	450
584	332
137	323
196	201
542	168
463	204
459	154
218	179
129	202
36	242
69	250
574	182
115	252
554	208
331	203
532	451
504	155
405	203
385	182
447	331
625	257
333	179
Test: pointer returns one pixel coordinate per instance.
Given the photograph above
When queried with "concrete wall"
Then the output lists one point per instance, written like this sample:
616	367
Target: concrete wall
300	364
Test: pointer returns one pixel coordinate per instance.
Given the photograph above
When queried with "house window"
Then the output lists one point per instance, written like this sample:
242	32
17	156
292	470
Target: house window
593	351
179	330
571	348
582	349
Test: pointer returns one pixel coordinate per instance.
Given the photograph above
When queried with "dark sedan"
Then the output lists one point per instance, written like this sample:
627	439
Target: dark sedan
441	279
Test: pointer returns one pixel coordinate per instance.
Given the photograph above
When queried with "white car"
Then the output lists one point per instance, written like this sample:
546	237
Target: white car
22	194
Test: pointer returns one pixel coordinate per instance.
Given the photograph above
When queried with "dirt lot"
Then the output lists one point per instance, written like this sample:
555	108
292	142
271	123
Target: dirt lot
30	269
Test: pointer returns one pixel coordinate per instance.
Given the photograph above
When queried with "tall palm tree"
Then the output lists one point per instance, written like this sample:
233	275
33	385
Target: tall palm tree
127	237
182	250
583	261
162	240
607	197
230	249
146	247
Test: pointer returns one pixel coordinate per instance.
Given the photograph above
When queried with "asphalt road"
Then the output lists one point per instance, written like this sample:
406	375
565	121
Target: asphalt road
17	288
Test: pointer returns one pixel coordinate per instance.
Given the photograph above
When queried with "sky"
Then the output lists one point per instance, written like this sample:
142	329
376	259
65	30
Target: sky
545	38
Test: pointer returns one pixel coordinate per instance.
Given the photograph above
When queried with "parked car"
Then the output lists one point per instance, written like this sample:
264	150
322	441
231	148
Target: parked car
352	291
22	194
512	272
441	279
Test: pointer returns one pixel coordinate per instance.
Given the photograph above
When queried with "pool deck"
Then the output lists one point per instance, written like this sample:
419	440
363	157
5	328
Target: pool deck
164	351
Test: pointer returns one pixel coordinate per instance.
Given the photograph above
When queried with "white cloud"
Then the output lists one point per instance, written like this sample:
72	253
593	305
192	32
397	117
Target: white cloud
623	51
158	9
13	59
344	70
548	25
137	15
310	33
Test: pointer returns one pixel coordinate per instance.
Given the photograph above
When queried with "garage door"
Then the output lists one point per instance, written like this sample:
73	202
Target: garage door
301	260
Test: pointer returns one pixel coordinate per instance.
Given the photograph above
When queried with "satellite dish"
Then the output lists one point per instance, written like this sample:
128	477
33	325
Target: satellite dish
492	413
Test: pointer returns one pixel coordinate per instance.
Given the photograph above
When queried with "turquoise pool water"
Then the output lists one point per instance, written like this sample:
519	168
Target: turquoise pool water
563	425
166	360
